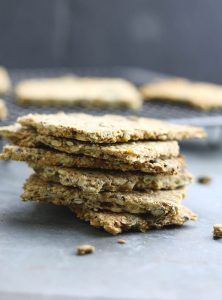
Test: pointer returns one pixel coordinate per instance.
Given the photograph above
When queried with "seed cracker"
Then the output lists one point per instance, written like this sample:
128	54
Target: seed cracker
97	181
205	96
70	90
130	152
54	158
156	203
108	128
116	223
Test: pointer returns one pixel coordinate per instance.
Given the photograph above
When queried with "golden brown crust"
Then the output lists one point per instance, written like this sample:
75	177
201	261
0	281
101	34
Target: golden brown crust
116	223
112	222
140	151
54	158
156	203
205	96
125	152
108	128
97	181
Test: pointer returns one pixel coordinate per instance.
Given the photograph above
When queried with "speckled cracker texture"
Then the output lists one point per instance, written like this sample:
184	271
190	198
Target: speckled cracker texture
45	157
116	223
130	152
156	203
97	181
108	128
115	212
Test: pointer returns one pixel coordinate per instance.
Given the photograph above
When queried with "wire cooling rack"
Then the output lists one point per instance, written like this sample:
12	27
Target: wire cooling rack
177	113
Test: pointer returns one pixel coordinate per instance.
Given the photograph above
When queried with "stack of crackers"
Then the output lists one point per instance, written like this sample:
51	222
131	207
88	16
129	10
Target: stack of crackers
116	172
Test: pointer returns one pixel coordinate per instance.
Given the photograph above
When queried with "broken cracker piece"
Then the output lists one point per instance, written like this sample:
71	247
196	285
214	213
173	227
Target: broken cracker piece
204	180
217	231
116	223
121	242
156	203
85	249
19	135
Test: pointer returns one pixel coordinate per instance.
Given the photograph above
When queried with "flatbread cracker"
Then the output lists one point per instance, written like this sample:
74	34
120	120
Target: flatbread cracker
5	83
116	223
70	90
97	181
130	152
19	136
3	110
54	158
205	96
155	203
108	128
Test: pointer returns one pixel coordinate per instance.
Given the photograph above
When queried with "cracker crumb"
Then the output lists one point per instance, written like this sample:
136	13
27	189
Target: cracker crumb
217	231
204	180
121	242
85	249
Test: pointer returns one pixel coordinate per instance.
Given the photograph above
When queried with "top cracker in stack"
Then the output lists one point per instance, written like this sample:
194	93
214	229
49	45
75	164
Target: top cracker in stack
99	142
116	172
108	128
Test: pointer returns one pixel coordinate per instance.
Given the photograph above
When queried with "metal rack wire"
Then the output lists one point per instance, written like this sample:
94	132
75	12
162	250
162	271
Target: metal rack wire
175	112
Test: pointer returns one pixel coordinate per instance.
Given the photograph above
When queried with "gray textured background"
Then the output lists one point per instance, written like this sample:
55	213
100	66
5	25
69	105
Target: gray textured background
179	37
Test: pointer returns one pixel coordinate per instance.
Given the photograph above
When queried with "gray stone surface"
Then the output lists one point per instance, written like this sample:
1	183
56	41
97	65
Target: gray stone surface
38	242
